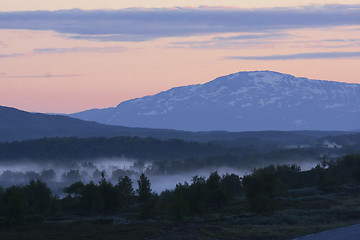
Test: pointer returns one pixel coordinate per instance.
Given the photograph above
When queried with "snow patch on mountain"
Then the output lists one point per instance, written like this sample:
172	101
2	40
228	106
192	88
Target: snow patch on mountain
257	100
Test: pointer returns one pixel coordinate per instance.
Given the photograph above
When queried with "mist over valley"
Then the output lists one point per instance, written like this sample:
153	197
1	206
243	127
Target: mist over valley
63	161
56	169
157	120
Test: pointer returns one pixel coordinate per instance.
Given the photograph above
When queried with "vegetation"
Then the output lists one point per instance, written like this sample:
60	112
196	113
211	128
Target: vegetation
174	156
328	194
90	148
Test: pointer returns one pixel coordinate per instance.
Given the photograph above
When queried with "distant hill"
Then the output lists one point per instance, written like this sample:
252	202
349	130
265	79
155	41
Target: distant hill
244	101
20	125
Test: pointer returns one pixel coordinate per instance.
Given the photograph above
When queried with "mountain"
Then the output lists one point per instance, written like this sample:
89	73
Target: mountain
243	101
20	125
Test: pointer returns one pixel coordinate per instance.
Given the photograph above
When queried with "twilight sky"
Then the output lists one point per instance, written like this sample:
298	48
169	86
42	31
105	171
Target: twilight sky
66	56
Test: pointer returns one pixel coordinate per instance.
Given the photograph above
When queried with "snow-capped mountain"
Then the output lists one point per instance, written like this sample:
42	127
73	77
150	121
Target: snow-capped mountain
244	101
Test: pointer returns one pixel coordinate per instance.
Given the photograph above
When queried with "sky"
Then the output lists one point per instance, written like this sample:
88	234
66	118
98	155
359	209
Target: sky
65	56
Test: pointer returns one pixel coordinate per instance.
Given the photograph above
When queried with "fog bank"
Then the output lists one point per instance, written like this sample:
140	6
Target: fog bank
58	175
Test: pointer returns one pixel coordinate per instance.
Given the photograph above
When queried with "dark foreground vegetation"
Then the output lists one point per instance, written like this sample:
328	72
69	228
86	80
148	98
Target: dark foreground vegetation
275	202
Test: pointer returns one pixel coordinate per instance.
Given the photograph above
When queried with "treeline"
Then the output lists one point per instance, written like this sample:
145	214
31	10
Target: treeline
265	185
91	148
72	148
263	189
34	202
166	156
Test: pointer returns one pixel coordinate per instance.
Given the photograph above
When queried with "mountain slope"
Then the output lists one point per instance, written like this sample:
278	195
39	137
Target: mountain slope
20	125
244	101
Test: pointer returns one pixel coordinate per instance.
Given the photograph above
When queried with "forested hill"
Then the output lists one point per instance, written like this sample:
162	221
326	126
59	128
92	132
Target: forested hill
236	151
20	125
92	148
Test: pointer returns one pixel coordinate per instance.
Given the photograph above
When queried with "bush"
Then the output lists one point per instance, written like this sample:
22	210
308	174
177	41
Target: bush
261	188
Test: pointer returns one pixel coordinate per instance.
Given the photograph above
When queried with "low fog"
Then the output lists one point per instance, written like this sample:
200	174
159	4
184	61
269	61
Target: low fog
58	175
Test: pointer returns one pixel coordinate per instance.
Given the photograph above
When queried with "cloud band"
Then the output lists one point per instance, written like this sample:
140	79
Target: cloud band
146	24
314	55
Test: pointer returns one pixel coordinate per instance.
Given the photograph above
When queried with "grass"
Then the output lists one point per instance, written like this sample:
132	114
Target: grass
80	230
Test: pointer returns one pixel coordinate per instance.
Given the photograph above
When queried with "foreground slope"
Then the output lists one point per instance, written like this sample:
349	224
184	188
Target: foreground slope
244	101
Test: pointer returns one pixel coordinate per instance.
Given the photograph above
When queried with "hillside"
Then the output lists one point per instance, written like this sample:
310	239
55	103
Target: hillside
244	101
20	125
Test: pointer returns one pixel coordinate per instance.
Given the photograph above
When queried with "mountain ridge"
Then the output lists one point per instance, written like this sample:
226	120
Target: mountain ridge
18	125
243	101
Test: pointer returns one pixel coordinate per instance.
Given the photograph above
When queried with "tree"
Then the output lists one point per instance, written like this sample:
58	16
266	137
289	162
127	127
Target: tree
261	188
16	205
125	190
180	203
146	198
2	199
198	195
214	180
75	190
144	189
92	199
109	195
231	183
216	195
39	197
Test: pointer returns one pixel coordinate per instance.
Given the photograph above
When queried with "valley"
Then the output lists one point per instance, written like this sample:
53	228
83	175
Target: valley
201	182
